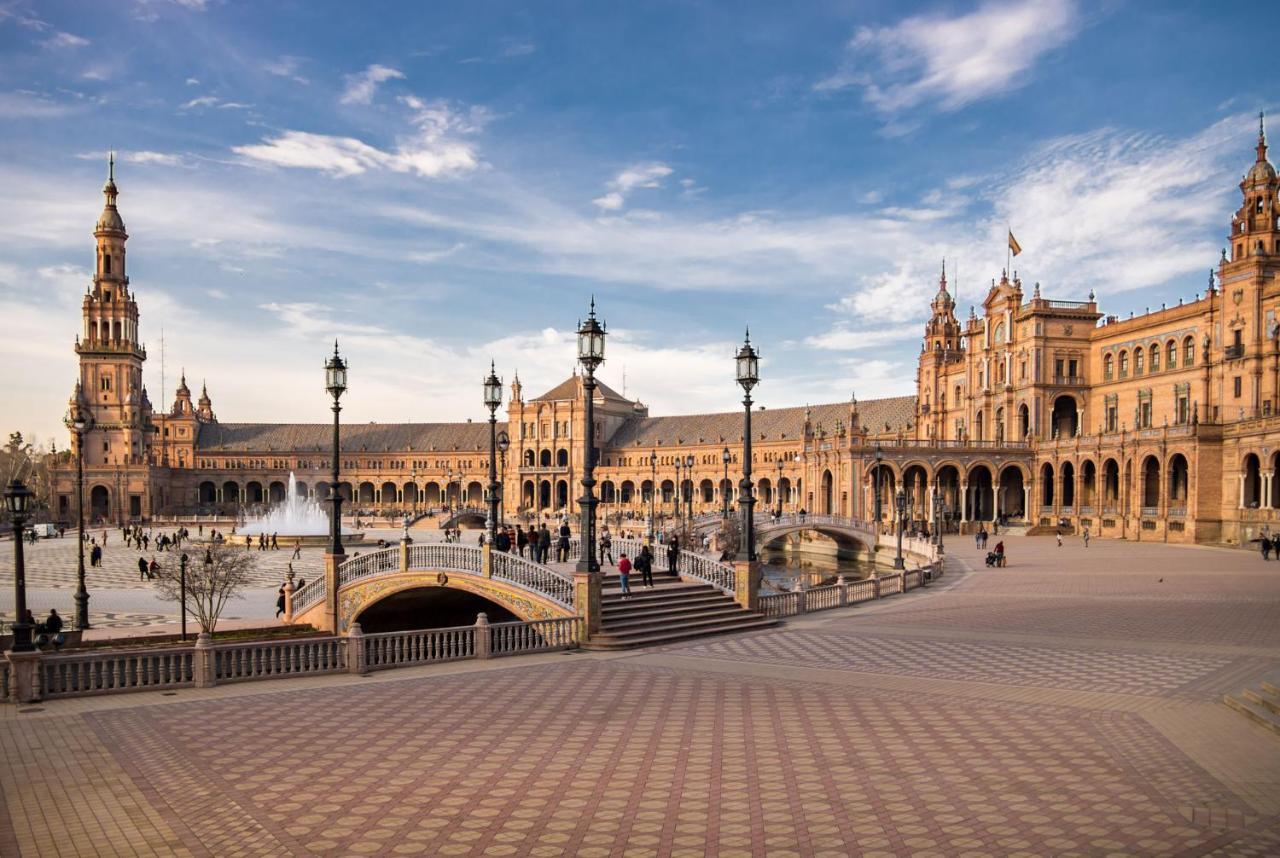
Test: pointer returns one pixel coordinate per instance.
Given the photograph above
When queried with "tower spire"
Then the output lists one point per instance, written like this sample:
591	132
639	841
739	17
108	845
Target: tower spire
111	165
1262	136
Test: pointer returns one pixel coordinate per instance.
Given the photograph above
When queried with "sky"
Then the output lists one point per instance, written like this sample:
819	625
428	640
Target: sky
438	185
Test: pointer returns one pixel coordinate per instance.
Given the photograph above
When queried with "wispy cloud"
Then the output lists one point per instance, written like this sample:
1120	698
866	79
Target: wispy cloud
286	67
646	175
65	40
951	61
201	101
32	105
362	86
437	147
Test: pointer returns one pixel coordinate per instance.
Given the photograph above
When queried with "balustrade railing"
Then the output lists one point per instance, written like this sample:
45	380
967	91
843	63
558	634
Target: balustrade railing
374	563
423	646
543	580
270	659
841	593
448	556
309	594
73	674
534	636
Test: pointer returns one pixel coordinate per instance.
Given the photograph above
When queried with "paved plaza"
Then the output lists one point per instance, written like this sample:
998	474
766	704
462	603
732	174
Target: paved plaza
1069	704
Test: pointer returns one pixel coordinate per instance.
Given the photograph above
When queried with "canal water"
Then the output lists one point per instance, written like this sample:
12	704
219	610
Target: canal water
782	569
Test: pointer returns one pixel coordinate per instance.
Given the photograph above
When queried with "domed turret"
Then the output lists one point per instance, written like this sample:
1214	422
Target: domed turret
110	221
1261	172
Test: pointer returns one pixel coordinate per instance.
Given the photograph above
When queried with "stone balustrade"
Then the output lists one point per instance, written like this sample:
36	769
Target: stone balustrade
845	592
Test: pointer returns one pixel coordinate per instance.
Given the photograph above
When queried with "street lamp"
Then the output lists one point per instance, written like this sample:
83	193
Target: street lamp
17	498
504	444
777	488
688	496
724	486
79	421
748	366
939	507
182	590
676	503
653	488
414	476
492	399
590	354
335	381
901	499
879	463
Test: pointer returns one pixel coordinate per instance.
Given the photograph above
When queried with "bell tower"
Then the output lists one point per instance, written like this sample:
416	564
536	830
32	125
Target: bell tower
110	355
940	347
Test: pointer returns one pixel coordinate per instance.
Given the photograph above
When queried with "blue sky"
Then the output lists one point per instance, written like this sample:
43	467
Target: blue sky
438	184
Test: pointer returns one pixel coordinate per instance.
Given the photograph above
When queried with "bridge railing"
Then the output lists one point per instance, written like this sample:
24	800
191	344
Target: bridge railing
268	659
422	646
691	563
544	580
792	519
846	592
309	594
365	565
534	636
107	672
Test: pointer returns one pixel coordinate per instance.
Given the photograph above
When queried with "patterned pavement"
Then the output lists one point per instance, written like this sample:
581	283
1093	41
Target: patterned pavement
831	735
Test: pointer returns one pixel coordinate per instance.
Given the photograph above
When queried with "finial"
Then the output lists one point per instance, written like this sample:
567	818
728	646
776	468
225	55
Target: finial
335	346
1211	279
748	335
111	166
1262	137
1091	295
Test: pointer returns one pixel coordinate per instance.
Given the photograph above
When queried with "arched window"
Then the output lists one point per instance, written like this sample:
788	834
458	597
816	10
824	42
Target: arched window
1108	366
1189	351
1124	364
1138	361
1000	333
1171	353
1154	351
106	263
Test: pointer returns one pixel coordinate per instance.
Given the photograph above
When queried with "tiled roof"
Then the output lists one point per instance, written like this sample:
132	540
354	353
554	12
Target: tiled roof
355	437
568	389
897	412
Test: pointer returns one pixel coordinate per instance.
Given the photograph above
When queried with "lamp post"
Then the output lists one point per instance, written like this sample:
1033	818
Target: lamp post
724	486
939	507
653	488
17	498
748	366
182	591
590	354
504	444
492	399
777	488
876	505
414	476
901	499
79	422
676	505
688	498
335	376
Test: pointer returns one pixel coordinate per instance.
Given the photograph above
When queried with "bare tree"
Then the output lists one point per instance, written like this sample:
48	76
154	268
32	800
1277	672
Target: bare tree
213	579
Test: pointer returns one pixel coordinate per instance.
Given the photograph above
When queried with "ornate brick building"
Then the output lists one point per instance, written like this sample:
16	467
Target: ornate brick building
1164	426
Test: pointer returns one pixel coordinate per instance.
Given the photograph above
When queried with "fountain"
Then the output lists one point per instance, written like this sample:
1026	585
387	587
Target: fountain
297	518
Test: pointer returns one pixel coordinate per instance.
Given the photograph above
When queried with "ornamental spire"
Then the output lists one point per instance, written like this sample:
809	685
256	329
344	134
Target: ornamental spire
1262	136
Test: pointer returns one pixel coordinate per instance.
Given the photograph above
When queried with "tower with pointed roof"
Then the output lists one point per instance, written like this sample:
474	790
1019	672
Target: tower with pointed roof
110	352
941	347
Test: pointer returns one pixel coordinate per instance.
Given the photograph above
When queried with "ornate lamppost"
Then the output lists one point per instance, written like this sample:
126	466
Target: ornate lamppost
492	399
590	354
17	498
414	476
653	488
939	508
677	503
80	421
748	365
688	497
504	444
877	504
724	486
901	499
777	488
335	377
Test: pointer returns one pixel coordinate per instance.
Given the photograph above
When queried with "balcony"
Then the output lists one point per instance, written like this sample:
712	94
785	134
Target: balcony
1234	351
1069	380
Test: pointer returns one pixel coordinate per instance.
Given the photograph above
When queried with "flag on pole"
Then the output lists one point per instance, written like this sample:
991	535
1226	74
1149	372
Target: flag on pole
1014	247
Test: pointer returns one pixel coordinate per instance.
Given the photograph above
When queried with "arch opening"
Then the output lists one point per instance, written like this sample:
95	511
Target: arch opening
429	608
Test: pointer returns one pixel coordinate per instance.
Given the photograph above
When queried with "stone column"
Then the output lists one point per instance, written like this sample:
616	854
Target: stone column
25	677
1026	503
964	502
482	635
1242	479
746	584
356	662
1264	502
203	665
288	602
486	560
586	601
995	502
331	564
404	556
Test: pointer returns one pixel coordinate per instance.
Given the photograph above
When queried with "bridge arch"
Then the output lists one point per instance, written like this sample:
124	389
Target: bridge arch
414	606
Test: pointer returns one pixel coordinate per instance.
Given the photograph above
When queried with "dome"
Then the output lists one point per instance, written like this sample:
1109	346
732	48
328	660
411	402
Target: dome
1261	172
109	220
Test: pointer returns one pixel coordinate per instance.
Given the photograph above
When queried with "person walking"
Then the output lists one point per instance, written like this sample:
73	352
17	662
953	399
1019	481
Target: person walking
673	555
562	546
522	539
280	601
142	568
275	542
624	574
977	540
544	544
606	545
1059	535
297	549
1265	544
1086	537
153	569
644	562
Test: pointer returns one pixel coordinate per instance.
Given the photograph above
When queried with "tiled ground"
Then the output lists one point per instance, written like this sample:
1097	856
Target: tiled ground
832	735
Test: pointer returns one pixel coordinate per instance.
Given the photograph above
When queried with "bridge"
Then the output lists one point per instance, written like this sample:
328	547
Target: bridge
849	533
700	596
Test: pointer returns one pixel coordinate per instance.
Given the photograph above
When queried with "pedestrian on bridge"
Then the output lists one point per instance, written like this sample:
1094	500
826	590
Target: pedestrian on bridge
644	562
522	539
673	555
544	544
562	547
624	574
606	545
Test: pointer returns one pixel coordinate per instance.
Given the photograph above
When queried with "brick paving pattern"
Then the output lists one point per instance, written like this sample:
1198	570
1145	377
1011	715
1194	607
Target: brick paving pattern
708	748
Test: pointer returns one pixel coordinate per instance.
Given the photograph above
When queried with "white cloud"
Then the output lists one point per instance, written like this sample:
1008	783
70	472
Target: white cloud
148	157
645	175
65	40
287	67
202	101
193	81
952	61
435	149
362	85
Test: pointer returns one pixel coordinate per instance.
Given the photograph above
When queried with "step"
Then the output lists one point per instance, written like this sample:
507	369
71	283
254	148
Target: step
1271	689
670	599
624	623
676	635
659	592
1258	714
625	612
1263	699
692	626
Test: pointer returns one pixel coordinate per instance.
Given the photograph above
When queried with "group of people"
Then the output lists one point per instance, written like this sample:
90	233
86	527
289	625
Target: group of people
1269	545
537	541
52	624
271	542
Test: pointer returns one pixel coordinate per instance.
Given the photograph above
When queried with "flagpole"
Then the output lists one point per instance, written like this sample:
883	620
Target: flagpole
1008	249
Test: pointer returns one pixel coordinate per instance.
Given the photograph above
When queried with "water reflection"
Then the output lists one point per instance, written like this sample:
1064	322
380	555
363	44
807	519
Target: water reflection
783	569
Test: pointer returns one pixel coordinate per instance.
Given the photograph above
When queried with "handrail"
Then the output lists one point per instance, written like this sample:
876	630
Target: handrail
548	582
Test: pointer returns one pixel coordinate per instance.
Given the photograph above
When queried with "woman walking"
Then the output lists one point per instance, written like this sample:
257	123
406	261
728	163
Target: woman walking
624	574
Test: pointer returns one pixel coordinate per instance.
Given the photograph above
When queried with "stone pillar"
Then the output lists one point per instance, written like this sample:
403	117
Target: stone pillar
203	665
288	602
331	564
404	556
483	641
486	560
964	502
995	502
1242	479
876	579
1264	502
25	684
586	601
843	590
746	584
1026	503
356	662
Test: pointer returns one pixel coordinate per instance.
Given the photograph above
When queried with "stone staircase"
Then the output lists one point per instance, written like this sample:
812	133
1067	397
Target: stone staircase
1260	705
673	610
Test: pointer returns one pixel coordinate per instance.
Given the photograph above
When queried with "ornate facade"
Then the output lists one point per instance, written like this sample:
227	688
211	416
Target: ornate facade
1034	411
